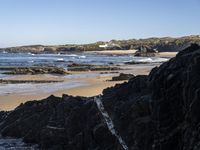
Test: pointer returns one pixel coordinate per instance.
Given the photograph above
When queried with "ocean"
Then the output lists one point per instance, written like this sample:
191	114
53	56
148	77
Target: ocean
62	60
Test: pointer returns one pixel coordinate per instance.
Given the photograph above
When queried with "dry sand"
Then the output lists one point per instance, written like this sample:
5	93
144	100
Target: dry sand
115	52
124	52
167	54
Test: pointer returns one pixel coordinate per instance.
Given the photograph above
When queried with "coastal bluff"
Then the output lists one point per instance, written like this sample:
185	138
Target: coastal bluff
163	44
159	111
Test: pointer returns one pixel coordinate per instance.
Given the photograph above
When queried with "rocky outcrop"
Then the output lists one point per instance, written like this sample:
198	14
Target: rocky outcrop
122	76
12	81
175	101
155	112
60	123
146	51
89	67
33	70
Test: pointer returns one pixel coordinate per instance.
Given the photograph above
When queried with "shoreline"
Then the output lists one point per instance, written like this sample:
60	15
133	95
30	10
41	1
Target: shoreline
94	86
90	84
126	52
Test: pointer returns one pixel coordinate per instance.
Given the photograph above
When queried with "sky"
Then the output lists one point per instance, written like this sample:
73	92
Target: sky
28	22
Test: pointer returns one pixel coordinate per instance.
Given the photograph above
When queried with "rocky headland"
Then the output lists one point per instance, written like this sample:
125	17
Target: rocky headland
159	111
165	44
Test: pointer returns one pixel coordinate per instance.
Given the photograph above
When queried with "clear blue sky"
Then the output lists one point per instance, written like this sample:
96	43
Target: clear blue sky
24	22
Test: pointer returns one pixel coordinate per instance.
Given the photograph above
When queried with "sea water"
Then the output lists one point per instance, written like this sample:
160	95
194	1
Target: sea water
62	60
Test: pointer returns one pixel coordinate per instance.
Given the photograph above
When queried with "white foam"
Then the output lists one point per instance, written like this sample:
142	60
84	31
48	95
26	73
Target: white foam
60	59
70	55
149	59
82	57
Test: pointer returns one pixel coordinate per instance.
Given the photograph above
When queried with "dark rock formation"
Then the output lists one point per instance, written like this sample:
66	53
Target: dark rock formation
33	70
175	102
145	51
3	115
12	81
89	67
155	112
122	76
135	62
60	123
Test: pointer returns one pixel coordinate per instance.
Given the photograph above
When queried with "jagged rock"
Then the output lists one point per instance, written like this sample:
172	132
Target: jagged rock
155	112
146	51
60	123
175	101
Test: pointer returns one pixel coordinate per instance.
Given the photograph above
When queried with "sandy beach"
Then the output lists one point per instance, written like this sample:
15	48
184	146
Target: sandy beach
125	52
167	54
93	85
115	52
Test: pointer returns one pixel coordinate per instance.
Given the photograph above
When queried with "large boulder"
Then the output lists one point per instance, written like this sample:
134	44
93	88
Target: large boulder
145	51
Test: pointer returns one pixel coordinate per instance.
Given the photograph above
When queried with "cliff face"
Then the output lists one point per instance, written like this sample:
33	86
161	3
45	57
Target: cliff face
160	44
155	112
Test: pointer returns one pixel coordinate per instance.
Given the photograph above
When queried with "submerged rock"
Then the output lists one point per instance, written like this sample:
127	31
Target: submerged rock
89	67
33	70
155	112
11	81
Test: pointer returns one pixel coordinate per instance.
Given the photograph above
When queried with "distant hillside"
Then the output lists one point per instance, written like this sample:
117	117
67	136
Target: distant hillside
160	44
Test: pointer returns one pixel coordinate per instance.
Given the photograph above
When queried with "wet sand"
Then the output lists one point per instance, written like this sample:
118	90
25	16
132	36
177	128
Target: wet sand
92	86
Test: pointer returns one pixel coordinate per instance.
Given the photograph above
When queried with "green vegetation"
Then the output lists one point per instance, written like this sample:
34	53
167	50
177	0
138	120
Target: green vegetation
161	44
